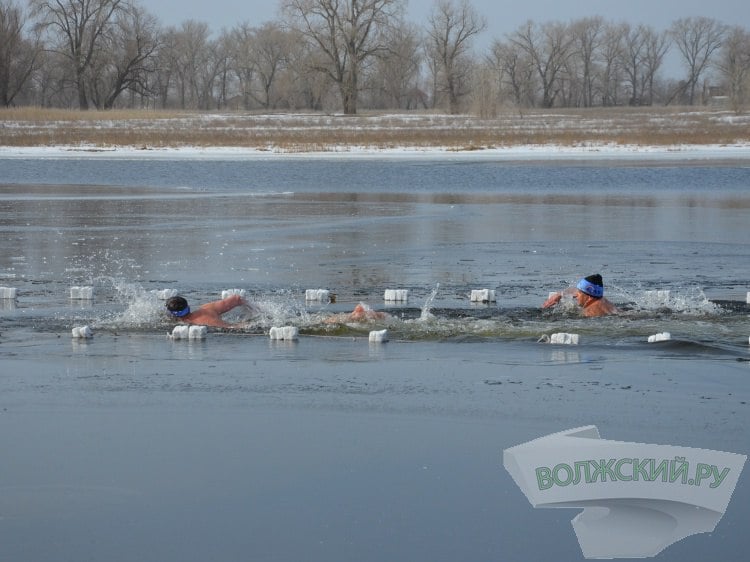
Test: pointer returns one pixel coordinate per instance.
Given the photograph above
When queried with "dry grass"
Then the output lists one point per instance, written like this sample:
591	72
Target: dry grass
42	115
314	132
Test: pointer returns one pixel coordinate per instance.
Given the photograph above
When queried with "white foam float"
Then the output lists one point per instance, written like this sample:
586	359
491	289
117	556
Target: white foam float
564	338
379	336
81	293
82	332
396	295
559	338
287	333
197	332
482	295
189	332
661	336
181	332
321	295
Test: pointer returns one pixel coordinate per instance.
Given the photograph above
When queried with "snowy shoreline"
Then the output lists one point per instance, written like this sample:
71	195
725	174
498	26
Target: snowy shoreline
739	153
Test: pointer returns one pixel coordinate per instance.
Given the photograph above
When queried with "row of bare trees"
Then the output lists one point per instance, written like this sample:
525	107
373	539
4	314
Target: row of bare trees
348	54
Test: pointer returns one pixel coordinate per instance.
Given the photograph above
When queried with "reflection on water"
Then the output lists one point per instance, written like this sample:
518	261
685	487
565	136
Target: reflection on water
667	199
565	357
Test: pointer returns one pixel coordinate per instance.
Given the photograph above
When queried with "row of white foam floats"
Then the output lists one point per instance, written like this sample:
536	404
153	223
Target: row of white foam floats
76	293
291	333
564	338
400	295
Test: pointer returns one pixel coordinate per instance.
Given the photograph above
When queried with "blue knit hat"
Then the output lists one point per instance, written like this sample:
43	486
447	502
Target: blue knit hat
592	285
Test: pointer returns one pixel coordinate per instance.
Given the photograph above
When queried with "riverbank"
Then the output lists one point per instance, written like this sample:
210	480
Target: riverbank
589	130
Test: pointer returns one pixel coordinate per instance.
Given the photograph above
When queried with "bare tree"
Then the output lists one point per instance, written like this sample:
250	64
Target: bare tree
570	84
347	33
451	28
304	87
587	40
548	48
395	75
735	66
485	92
657	46
258	56
632	57
191	58
221	50
514	72
610	55
126	57
270	53
18	53
209	71
697	39
242	61
78	28
52	84
163	79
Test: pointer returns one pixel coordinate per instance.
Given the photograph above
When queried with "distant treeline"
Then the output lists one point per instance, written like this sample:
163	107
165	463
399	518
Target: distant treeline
347	55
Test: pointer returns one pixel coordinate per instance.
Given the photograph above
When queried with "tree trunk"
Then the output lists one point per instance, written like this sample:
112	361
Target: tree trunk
83	102
349	102
349	91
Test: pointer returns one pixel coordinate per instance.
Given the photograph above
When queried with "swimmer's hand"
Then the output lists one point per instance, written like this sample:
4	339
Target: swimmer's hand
552	300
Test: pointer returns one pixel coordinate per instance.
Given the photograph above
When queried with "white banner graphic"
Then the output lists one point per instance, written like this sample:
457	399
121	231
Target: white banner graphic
637	498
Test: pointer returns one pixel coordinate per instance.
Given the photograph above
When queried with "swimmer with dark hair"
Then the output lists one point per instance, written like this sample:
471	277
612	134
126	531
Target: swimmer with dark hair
209	314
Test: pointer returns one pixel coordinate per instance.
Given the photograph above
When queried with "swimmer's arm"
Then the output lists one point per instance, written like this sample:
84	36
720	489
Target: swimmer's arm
555	298
225	305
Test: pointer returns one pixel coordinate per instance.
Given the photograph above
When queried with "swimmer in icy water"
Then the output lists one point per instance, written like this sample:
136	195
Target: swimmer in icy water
589	294
209	314
361	313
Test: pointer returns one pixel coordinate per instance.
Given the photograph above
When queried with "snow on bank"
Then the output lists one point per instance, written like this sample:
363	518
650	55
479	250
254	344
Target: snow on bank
530	153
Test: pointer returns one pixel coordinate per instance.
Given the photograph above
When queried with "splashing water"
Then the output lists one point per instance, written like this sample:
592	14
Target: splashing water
427	307
689	300
265	313
143	309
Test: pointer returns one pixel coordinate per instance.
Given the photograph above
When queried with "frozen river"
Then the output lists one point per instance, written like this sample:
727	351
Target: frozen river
130	446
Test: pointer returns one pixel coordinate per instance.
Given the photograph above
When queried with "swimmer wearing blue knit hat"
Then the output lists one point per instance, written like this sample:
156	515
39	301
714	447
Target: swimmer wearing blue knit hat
589	294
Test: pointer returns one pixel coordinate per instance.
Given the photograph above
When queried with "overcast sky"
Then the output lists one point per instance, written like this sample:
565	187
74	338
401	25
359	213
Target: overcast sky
503	16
